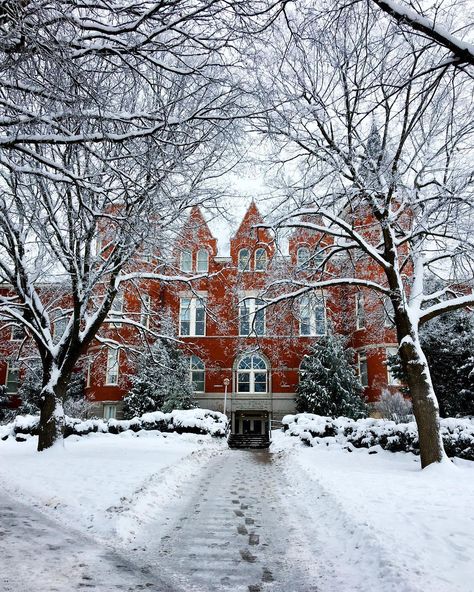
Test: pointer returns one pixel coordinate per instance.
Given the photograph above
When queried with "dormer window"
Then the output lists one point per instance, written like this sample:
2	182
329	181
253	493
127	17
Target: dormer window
186	261
260	260
303	256
244	260
202	263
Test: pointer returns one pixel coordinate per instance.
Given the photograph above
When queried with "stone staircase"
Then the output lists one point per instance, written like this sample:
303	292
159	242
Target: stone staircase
248	441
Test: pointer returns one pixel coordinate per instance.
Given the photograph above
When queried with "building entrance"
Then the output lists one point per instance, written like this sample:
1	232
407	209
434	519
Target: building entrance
254	423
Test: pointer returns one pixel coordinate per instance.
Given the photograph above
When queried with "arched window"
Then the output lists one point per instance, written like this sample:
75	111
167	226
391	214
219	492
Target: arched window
302	257
202	263
260	260
197	374
252	375
244	260
186	261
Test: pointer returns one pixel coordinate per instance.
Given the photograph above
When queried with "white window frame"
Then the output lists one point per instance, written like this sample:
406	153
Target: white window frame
145	310
110	410
112	370
11	368
59	326
260	260
251	374
248	309
241	260
202	264
116	310
186	261
388	313
391	380
313	303
360	310
195	304
193	369
306	261
362	361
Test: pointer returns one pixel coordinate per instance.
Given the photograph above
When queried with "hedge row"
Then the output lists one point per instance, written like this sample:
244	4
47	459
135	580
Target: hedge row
194	421
457	434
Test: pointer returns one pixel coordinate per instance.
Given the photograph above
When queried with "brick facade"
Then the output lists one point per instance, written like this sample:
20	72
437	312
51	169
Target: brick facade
209	321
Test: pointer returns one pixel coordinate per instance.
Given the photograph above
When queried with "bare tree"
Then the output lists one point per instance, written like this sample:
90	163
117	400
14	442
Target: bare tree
374	141
112	117
410	16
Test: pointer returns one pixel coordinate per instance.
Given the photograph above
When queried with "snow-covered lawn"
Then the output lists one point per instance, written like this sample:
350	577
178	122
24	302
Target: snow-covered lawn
104	484
420	522
377	522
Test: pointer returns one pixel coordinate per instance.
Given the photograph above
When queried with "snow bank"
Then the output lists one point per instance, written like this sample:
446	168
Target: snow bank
416	526
196	421
106	485
458	434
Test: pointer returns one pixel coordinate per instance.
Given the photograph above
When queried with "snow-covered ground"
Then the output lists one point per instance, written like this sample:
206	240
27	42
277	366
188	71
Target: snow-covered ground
419	523
187	509
104	484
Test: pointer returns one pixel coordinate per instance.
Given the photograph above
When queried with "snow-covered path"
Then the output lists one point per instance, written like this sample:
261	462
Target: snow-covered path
189	515
247	527
39	554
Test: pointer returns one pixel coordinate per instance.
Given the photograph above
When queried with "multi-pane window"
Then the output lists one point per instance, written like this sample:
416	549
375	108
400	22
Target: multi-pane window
145	310
260	260
303	256
110	411
251	317
312	315
360	310
59	326
392	380
116	311
18	333
11	383
197	370
202	260
252	375
388	312
112	371
192	317
363	374
244	260
186	261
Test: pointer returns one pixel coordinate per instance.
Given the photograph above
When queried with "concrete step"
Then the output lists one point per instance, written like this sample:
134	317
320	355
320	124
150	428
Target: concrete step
248	441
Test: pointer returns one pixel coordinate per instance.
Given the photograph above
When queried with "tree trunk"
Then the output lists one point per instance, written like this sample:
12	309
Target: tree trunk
51	426
425	404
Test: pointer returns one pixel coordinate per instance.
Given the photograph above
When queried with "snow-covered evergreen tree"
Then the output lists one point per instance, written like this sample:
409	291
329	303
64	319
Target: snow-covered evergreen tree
448	343
329	384
161	382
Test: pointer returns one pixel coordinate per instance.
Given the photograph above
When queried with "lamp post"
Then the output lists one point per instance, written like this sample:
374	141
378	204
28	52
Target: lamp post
226	384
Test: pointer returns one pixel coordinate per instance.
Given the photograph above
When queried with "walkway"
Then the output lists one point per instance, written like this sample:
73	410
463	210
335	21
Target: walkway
239	531
38	555
245	523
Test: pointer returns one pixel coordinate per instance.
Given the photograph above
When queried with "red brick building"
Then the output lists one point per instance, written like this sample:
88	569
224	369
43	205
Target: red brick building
226	333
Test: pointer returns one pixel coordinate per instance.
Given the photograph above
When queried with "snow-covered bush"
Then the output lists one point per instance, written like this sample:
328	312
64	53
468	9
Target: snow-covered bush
394	406
196	421
329	384
457	434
